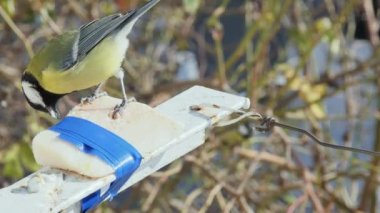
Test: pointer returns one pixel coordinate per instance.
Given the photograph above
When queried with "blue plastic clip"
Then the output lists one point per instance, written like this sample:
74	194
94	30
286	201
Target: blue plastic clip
112	149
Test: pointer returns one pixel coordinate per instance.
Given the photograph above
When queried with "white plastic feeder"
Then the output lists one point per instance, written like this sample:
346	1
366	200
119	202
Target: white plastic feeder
161	134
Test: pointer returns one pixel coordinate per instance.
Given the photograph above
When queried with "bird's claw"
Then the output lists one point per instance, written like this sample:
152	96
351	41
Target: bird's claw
92	98
133	99
118	110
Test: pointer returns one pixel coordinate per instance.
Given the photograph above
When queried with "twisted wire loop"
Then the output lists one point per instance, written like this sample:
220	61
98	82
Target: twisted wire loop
268	123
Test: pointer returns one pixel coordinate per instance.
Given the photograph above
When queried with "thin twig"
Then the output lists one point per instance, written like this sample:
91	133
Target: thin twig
266	157
312	194
372	22
295	205
191	197
163	179
17	31
45	15
213	193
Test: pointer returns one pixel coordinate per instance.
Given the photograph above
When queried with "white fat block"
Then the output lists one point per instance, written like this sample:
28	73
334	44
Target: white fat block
140	125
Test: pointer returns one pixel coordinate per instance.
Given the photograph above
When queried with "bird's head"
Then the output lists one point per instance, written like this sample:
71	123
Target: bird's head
38	97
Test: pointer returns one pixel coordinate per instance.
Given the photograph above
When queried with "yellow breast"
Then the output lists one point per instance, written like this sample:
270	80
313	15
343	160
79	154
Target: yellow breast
99	65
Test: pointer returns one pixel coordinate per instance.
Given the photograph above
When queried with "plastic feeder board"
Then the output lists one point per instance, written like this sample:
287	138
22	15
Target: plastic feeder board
161	135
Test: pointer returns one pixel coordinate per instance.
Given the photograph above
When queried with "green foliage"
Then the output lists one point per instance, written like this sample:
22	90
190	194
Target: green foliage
12	164
18	159
191	6
9	6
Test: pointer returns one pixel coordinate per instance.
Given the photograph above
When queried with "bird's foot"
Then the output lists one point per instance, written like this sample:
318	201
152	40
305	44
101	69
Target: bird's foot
118	110
93	97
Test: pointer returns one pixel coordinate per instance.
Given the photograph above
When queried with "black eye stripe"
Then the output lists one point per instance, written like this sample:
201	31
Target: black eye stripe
27	77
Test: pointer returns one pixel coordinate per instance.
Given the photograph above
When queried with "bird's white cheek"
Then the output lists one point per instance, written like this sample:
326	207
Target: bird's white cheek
32	94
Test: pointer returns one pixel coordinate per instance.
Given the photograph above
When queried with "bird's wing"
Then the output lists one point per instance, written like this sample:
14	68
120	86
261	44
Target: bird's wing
94	32
90	35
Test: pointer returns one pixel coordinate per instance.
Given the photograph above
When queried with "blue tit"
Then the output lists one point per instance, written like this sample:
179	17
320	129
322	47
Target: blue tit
80	59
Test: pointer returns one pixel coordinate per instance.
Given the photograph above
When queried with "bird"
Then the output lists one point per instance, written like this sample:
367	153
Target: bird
80	59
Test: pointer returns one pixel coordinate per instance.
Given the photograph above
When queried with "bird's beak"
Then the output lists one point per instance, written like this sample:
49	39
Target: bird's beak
54	112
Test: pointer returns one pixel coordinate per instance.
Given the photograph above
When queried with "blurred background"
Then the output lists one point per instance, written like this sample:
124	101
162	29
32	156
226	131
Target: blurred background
310	63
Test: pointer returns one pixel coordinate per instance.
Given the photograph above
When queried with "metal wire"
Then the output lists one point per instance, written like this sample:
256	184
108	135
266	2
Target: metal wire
267	124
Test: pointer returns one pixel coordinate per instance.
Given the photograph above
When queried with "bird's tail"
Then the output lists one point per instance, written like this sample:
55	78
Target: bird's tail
130	18
142	10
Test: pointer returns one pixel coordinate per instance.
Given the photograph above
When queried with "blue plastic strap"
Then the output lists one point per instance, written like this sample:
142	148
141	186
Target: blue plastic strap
112	149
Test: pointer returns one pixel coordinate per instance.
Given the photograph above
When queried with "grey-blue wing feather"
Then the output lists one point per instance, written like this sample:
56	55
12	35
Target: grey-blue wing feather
90	35
93	34
88	28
